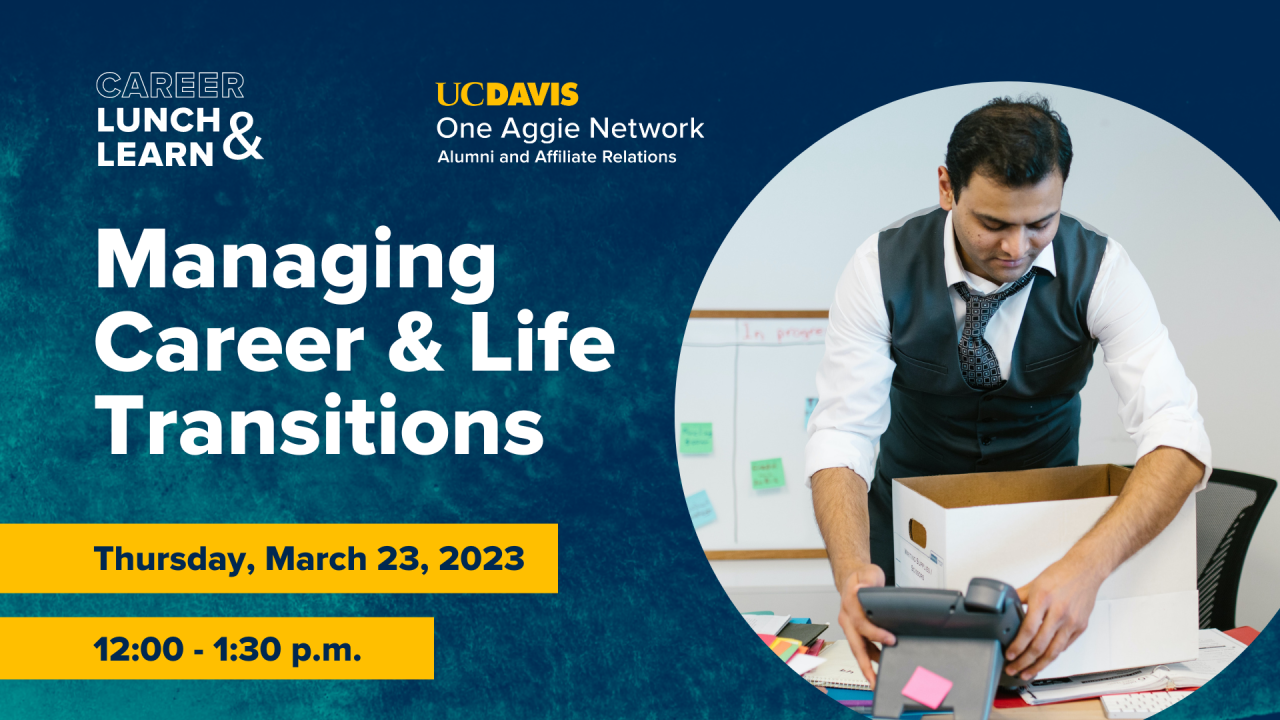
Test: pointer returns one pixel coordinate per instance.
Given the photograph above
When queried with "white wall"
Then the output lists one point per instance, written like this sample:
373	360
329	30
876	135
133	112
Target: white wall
1205	242
799	588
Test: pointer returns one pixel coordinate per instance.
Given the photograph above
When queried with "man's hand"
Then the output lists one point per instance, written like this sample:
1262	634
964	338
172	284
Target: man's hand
857	628
1059	603
1061	599
840	505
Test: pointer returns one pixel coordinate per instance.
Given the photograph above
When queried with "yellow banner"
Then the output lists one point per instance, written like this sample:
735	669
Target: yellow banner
313	648
279	558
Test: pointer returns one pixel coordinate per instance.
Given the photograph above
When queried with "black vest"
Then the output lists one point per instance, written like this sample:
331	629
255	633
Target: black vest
939	425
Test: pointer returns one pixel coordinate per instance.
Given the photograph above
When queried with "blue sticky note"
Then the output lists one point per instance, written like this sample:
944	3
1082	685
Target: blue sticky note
809	405
700	509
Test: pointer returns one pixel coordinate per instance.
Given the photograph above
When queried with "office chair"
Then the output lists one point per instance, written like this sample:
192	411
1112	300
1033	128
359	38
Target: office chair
1227	513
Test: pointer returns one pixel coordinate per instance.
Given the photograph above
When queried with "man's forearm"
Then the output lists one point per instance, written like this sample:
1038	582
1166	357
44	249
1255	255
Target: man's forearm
840	505
1154	493
1061	599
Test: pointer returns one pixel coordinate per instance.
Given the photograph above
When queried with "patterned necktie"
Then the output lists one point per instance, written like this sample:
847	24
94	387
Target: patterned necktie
978	362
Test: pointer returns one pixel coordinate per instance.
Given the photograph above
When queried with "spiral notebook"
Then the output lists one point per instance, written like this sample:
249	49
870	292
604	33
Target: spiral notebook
840	669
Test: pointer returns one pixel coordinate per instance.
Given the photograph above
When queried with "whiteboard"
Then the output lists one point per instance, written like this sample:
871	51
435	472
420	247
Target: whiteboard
750	378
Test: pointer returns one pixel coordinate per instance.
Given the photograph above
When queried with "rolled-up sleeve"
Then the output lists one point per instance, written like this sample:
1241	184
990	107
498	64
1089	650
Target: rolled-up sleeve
1158	403
856	371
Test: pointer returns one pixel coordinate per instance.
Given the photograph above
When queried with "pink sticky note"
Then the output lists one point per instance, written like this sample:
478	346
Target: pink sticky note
928	689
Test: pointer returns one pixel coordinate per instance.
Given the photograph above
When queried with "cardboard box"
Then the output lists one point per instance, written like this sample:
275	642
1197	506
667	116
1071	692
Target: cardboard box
1012	525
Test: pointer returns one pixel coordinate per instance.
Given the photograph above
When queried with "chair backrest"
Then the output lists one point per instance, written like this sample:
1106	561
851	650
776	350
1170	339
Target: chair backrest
1227	513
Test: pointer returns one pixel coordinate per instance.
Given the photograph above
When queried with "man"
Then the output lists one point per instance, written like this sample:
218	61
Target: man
960	341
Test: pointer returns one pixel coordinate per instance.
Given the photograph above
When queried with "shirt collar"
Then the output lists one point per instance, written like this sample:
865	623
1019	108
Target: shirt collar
956	272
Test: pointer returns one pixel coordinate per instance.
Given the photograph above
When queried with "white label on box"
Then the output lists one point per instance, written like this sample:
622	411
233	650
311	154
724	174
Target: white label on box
914	567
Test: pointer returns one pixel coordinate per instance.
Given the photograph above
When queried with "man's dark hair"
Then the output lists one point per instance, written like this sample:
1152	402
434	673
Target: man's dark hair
1014	142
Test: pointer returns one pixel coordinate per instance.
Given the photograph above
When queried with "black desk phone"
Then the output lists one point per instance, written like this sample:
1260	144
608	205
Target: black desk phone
961	637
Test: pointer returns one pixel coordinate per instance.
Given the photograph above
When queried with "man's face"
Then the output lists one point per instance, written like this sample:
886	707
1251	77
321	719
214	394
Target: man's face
1001	230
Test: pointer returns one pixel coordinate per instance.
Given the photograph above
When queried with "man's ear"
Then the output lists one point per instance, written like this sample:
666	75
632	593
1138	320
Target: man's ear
946	198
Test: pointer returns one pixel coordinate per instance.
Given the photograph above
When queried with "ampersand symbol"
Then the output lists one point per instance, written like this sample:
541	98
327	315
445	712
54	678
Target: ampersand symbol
414	326
237	133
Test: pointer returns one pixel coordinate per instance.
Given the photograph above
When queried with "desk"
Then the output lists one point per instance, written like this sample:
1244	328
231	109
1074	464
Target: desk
1090	709
1079	710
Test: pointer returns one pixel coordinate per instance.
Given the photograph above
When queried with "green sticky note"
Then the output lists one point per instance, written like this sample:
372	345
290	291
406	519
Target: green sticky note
695	438
767	474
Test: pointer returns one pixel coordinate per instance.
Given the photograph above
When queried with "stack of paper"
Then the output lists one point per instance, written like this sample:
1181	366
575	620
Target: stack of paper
795	643
841	669
804	663
767	624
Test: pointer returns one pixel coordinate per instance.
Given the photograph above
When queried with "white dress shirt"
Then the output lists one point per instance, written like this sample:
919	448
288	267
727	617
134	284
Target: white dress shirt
1157	400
